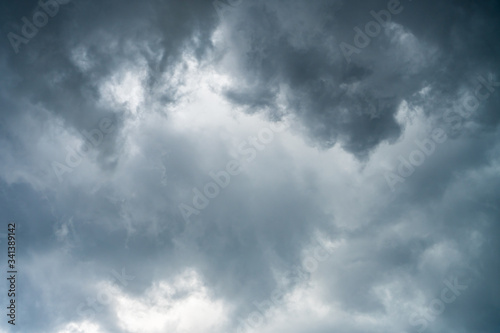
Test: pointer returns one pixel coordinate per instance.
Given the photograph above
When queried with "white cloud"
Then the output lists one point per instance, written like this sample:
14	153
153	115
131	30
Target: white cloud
81	327
183	305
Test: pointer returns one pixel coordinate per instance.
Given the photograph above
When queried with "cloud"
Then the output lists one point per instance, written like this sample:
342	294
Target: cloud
289	58
184	88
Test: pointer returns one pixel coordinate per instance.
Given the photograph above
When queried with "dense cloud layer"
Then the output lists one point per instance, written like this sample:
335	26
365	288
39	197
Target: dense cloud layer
251	166
312	57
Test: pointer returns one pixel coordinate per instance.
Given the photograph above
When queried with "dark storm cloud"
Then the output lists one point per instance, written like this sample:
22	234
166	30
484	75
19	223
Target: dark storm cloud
42	83
355	103
110	36
293	49
124	214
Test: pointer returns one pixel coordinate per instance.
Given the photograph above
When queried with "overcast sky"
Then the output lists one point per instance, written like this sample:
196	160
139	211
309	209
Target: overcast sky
241	166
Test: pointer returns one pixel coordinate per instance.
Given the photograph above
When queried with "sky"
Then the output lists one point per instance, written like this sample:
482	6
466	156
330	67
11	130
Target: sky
244	166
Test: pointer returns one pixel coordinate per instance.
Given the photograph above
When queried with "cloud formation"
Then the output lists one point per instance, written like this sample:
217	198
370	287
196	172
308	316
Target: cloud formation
188	88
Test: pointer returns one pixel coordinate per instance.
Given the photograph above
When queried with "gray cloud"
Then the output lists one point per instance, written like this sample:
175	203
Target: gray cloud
145	66
294	51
